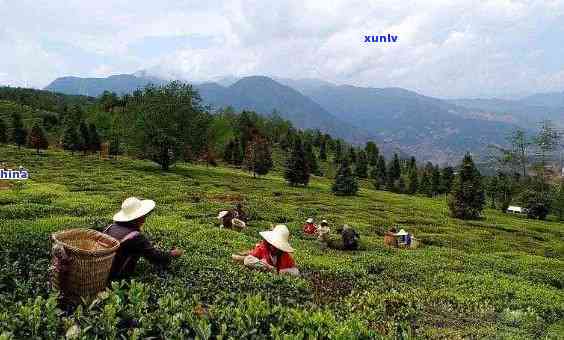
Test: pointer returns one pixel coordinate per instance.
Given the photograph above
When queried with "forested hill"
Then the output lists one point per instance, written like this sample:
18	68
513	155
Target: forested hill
94	87
429	127
257	93
434	129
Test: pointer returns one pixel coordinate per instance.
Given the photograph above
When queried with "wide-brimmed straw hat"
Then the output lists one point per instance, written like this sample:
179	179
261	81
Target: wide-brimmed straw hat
278	237
309	220
401	233
133	208
222	214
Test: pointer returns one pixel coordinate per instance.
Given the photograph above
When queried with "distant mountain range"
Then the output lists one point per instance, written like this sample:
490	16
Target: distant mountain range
397	119
525	112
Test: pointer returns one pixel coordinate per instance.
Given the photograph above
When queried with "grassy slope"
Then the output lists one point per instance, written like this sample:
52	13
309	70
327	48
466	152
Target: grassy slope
500	275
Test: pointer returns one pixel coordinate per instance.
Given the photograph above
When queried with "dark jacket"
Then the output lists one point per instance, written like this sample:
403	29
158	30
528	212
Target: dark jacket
350	239
233	213
133	246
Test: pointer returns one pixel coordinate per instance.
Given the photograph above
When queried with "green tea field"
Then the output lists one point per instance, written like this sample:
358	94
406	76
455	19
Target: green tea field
498	277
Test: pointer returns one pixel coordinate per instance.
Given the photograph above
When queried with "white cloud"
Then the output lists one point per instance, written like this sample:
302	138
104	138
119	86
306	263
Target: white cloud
444	48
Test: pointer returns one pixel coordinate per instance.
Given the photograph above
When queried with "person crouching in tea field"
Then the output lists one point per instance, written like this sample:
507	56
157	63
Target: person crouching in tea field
133	244
309	227
323	233
272	253
403	238
234	218
350	238
390	239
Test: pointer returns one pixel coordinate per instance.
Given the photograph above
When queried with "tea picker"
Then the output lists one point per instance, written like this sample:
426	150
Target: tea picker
133	244
309	227
233	219
272	254
84	260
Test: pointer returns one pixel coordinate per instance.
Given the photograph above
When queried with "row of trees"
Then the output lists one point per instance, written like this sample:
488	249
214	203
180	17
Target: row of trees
525	173
83	138
524	177
168	123
20	136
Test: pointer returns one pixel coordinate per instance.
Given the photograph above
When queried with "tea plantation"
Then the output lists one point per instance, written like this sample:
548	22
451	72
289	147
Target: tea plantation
498	277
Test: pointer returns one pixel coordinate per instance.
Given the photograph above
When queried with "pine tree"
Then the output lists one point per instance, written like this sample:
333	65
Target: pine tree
467	199
345	183
297	169
400	186
425	184
71	139
228	152
115	148
94	143
435	180
447	176
19	134
491	190
337	151
413	182
352	155
394	171
361	168
258	156
311	159
246	126
323	150
3	132
37	138
84	137
503	191
372	153
412	164
379	173
558	200
318	138
237	155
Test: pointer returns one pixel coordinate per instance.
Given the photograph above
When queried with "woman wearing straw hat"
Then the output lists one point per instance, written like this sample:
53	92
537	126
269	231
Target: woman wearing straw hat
273	253
404	238
133	244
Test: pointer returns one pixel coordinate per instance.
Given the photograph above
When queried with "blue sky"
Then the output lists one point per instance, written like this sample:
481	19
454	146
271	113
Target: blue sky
445	48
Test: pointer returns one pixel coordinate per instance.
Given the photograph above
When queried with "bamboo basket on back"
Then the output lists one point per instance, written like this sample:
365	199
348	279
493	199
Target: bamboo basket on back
82	260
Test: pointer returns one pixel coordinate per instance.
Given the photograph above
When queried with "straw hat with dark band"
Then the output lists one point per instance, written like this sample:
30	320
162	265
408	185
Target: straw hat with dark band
278	237
133	208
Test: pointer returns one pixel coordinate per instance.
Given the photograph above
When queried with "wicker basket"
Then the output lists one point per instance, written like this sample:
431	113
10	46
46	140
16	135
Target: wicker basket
82	260
390	241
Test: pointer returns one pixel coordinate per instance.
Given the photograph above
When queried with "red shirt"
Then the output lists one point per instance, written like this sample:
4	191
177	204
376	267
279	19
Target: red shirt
261	252
310	228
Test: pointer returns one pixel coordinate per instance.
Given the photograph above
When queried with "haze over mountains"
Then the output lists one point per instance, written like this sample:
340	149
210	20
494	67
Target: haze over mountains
397	119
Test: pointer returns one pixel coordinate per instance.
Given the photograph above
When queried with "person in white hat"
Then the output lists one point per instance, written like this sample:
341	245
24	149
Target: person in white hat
309	227
323	232
403	237
133	244
273	253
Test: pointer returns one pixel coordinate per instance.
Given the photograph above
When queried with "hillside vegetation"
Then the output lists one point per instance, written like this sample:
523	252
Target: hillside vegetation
501	276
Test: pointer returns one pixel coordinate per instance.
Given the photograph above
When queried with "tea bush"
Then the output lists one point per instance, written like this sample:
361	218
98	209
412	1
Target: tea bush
498	277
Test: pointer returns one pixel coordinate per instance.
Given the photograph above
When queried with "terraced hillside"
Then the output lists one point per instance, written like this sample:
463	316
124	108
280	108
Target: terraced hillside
502	276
